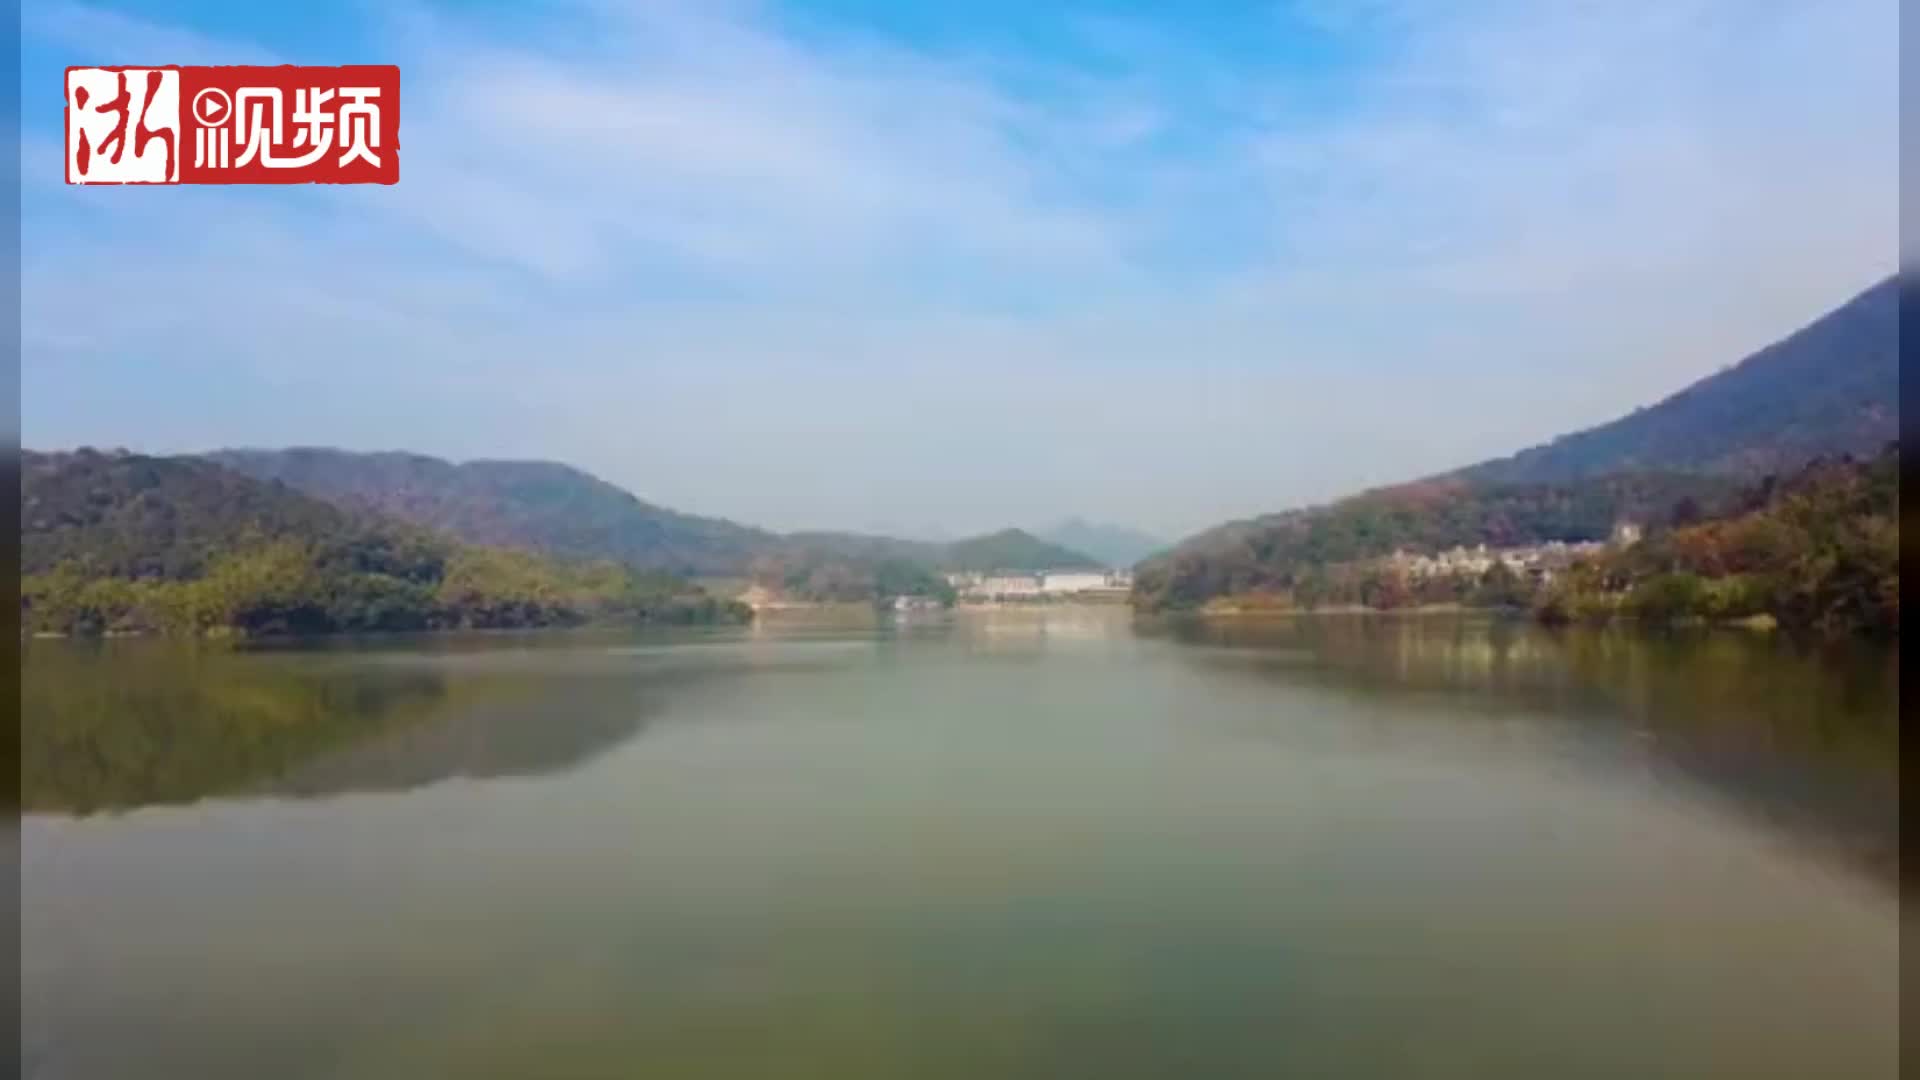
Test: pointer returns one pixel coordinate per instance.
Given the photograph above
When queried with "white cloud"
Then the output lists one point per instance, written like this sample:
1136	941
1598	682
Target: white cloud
792	276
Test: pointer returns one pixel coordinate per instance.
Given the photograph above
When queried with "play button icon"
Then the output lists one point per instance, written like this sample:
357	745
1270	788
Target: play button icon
211	106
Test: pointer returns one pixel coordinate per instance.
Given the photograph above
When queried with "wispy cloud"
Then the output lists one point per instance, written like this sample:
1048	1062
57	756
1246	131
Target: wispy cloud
792	270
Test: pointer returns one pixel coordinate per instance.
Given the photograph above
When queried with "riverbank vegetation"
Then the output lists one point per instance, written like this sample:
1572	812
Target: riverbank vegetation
1818	550
1329	554
1814	551
820	578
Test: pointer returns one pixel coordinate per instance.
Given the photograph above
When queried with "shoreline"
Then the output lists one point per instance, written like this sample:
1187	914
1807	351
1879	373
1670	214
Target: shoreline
230	635
1763	623
1238	611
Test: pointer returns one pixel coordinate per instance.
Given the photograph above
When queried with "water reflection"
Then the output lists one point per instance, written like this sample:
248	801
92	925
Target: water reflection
116	726
1000	843
1032	630
1806	737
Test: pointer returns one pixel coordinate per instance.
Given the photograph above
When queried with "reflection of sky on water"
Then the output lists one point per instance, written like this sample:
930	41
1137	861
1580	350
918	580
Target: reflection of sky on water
1807	740
1804	738
964	848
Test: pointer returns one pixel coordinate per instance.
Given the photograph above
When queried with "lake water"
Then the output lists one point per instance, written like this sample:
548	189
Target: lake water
998	844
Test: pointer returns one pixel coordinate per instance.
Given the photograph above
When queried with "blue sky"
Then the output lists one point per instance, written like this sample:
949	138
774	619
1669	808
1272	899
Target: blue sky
935	268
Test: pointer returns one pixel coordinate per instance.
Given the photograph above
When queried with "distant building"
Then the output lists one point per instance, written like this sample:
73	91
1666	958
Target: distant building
1043	585
1066	582
1535	560
1625	534
1087	584
1006	586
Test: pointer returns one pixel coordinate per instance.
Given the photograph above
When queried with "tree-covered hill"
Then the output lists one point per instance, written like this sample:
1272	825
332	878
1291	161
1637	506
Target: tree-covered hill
858	548
533	505
1279	551
1115	545
126	542
556	509
1831	388
1816	549
1012	549
126	515
850	567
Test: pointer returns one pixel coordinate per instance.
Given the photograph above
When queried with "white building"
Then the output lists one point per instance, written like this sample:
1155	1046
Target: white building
1068	582
1008	586
1043	585
1463	562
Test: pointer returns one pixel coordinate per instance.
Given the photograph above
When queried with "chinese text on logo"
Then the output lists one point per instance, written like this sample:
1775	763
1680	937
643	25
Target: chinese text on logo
233	125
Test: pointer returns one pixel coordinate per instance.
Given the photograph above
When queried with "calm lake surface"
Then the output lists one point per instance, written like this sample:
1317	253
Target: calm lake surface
998	844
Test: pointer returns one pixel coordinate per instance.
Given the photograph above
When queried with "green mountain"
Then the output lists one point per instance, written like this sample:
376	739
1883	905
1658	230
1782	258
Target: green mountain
533	505
1012	549
125	515
560	510
1816	549
1830	388
125	542
861	547
1115	545
1280	553
851	567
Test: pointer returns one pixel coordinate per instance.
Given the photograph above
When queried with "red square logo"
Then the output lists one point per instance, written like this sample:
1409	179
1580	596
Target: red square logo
233	125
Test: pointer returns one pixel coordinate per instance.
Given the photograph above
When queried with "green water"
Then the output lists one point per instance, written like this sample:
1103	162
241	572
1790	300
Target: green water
1010	844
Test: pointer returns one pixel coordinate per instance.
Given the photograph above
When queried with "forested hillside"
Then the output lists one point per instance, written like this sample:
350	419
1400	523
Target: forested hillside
1115	545
535	505
1828	392
1012	549
126	543
848	567
1818	549
1280	551
556	509
858	548
1831	388
123	515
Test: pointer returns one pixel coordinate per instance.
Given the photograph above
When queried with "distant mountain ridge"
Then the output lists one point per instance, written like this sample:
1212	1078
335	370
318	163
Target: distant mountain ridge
558	509
1278	552
1115	545
125	543
1829	390
1832	387
134	516
539	505
1012	549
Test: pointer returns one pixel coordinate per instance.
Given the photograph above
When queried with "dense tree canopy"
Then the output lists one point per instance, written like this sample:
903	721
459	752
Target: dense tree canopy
559	510
823	578
1282	551
533	505
1818	549
127	543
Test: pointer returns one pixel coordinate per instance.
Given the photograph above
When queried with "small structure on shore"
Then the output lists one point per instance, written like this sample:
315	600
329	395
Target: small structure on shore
1024	585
